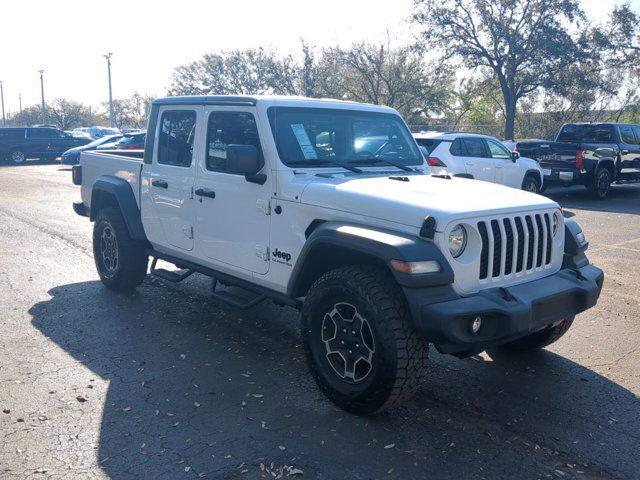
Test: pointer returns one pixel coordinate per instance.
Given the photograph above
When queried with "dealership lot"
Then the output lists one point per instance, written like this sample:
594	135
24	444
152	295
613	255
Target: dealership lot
166	383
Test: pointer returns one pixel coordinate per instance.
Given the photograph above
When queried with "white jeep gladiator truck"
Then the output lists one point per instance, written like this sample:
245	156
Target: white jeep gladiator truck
329	207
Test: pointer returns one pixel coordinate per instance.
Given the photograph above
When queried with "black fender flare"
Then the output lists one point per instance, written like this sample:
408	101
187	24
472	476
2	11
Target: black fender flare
120	190
378	244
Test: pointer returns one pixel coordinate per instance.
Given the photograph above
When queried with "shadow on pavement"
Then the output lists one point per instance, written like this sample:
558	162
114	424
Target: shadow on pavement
621	199
192	384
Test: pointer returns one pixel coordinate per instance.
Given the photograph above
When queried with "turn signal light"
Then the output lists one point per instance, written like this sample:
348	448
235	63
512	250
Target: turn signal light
415	268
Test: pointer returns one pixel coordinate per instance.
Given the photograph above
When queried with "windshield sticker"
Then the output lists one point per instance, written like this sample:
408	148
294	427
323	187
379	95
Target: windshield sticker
303	140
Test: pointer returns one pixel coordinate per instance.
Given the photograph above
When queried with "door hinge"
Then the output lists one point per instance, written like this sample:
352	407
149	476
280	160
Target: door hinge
264	206
262	252
191	194
187	230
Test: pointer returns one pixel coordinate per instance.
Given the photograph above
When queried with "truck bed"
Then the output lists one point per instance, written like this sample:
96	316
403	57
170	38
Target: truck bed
125	164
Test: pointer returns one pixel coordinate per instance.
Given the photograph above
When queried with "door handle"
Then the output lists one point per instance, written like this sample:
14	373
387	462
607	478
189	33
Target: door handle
625	152
469	164
205	192
160	183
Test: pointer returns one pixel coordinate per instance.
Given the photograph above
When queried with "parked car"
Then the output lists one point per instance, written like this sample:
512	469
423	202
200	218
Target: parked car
19	144
133	141
72	156
97	132
77	134
511	144
270	196
591	154
480	157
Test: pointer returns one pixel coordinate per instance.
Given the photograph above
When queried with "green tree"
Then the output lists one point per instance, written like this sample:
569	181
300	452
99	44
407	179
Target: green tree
525	44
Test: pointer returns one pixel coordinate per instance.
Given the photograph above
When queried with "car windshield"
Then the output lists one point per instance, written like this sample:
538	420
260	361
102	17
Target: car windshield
308	137
586	133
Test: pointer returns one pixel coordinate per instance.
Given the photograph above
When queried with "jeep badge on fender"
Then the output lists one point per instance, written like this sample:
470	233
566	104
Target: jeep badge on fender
380	268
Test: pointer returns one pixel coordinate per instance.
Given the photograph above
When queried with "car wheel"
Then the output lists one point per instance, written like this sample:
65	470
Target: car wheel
121	261
531	183
601	184
359	340
540	339
17	157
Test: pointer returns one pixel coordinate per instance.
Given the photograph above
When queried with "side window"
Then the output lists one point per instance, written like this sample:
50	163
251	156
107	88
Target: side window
43	133
498	150
475	147
229	128
175	139
457	148
636	130
627	135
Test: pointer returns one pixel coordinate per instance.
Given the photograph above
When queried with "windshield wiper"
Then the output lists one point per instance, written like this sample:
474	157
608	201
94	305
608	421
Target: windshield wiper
388	162
337	164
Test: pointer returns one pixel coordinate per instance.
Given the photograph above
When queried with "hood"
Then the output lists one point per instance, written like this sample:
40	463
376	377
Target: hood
409	199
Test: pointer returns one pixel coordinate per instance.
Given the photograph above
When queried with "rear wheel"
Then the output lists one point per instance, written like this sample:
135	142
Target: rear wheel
540	339
120	260
531	183
17	157
360	344
601	183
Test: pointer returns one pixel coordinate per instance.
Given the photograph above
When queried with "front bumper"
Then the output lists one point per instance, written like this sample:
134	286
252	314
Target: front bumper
507	313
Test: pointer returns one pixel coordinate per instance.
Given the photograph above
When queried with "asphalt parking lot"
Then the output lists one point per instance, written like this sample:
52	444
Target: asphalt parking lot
166	383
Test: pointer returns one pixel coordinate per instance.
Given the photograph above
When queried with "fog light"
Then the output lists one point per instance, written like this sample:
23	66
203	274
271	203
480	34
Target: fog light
476	324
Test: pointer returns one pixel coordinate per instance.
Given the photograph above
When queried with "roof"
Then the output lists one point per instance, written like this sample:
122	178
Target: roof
447	135
253	100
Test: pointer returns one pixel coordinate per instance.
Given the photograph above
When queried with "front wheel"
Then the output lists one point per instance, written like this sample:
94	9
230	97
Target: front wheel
601	184
540	339
359	341
531	183
121	261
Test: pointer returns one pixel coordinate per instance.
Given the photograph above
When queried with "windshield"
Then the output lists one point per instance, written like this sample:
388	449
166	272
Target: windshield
308	137
586	133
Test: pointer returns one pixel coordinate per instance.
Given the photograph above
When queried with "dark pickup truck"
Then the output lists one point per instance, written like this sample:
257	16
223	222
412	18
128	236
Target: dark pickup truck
591	154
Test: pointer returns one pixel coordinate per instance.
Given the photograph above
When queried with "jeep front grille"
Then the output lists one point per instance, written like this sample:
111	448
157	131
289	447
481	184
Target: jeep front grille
515	244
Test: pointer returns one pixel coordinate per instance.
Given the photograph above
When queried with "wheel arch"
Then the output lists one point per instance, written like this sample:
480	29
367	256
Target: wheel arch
535	173
331	245
109	191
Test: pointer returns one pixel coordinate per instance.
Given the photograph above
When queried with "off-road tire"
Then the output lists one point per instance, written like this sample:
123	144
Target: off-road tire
600	184
397	366
130	267
540	339
531	183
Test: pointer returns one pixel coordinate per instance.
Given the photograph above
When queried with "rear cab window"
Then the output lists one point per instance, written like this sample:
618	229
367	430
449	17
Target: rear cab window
586	133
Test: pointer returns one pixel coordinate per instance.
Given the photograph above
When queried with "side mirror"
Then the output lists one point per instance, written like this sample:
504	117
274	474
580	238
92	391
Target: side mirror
514	156
243	159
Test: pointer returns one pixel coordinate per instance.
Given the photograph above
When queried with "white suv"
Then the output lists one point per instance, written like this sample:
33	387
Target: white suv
480	157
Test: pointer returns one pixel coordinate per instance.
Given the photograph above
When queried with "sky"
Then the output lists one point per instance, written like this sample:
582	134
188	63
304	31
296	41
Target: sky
68	38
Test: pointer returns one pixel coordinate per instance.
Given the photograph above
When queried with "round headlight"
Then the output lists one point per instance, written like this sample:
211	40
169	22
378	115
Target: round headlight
457	240
557	219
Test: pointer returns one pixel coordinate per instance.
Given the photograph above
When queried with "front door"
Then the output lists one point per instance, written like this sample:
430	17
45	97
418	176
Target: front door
629	149
232	213
477	159
168	186
507	172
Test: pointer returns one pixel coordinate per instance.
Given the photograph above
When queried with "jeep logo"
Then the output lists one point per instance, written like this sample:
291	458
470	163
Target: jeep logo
283	255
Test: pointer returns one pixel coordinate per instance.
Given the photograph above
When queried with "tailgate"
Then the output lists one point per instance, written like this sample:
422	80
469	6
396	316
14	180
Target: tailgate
550	154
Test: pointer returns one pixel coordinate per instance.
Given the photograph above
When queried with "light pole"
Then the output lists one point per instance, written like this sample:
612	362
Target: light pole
44	108
111	115
20	102
4	119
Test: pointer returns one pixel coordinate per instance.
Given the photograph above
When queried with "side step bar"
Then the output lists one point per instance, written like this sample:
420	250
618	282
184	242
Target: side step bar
173	277
242	300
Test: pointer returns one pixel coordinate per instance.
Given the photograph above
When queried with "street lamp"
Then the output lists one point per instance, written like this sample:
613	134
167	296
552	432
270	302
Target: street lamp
20	102
44	108
111	115
4	119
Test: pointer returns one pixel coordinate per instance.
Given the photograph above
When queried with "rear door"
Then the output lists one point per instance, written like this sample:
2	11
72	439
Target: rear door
38	140
232	214
629	149
167	200
478	160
